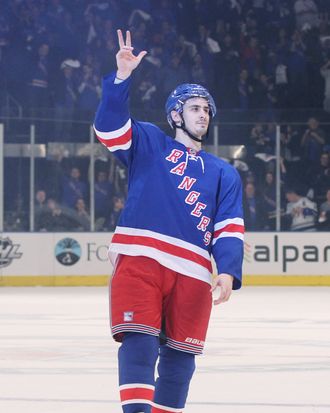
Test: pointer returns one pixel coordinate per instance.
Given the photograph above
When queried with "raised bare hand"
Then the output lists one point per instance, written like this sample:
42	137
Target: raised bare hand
126	60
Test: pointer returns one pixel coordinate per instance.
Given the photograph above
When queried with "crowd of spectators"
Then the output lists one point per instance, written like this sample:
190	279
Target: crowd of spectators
304	178
67	206
254	55
63	196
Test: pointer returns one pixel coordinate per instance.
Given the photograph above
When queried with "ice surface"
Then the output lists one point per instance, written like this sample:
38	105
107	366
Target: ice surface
268	350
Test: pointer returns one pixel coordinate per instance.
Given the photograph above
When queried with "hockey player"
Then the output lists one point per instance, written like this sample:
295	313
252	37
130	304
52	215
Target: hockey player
183	205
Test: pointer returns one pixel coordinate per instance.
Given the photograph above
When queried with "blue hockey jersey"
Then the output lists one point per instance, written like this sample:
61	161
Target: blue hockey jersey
182	206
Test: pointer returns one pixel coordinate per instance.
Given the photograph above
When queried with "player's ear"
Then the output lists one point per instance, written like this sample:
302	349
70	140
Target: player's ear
176	117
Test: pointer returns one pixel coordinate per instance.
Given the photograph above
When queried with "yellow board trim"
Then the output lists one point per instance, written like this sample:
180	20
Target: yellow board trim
287	280
102	280
54	281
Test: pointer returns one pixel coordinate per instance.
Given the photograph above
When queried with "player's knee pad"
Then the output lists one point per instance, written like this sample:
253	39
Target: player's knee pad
137	357
175	370
178	364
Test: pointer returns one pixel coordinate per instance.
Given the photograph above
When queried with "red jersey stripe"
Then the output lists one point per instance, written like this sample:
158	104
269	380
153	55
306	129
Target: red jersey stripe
229	228
136	393
121	140
163	246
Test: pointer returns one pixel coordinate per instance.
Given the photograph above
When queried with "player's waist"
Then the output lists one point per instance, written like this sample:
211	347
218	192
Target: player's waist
172	252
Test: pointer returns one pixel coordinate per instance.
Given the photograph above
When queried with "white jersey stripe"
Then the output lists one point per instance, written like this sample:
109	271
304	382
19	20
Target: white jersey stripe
116	133
222	224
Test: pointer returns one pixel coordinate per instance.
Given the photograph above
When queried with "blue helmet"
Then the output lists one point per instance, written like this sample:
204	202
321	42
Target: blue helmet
184	92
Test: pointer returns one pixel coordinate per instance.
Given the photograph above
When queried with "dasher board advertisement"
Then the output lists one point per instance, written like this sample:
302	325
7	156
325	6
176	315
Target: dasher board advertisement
82	258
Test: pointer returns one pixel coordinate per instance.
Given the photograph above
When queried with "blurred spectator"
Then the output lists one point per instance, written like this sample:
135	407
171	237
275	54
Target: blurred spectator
291	151
324	217
254	213
163	11
144	95
282	44
40	209
269	200
227	68
306	12
58	165
38	83
90	26
55	11
40	199
56	218
281	85
89	93
312	141
67	37
292	167
173	75
198	73
138	15
83	218
265	97
102	195
209	49
73	188
168	32
117	207
16	219
325	72
65	96
251	55
260	140
108	60
297	71
4	30
301	212
185	50
243	90
118	178
318	177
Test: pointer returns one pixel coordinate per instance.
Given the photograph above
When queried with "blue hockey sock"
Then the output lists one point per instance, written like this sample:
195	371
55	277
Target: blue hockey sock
137	358
175	370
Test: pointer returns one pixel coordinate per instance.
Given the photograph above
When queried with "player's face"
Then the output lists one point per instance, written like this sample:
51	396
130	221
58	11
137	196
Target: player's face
196	113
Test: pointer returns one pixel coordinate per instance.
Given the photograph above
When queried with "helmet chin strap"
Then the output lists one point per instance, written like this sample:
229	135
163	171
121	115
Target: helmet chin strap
193	137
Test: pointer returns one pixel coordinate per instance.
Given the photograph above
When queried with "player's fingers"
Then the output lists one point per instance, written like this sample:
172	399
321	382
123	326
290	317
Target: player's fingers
223	294
120	39
223	297
227	295
141	55
217	301
128	38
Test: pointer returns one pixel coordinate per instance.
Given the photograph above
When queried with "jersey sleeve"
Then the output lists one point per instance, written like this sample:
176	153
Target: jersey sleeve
114	127
228	236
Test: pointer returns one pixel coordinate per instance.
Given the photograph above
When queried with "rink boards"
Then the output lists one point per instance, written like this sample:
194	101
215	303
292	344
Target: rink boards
60	259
